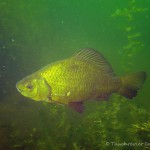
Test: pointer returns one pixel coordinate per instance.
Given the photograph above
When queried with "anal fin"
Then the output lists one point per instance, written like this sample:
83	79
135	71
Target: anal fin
103	97
77	106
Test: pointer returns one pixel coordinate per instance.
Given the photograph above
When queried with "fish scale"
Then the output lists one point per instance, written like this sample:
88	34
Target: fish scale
74	77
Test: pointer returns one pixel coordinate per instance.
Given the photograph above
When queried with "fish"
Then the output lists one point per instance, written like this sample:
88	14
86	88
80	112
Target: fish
86	75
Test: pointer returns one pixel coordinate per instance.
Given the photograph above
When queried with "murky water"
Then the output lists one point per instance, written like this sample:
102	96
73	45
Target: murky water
36	33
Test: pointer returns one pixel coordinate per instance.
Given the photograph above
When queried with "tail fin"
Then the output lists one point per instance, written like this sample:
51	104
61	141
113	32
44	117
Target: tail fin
131	83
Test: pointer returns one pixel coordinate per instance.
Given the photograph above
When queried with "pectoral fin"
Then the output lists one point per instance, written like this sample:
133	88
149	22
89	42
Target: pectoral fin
77	106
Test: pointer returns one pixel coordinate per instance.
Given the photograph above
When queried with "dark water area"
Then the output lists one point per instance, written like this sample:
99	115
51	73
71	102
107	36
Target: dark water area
34	33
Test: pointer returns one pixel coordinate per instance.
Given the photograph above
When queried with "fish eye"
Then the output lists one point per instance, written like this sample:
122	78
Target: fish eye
29	86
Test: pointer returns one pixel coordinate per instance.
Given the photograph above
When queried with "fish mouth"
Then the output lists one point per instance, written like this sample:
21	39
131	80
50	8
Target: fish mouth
17	87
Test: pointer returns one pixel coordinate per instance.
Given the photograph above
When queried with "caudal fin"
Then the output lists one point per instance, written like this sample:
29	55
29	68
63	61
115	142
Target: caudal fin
131	83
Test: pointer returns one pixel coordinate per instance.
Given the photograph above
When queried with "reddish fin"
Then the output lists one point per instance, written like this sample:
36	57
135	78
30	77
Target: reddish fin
77	106
103	97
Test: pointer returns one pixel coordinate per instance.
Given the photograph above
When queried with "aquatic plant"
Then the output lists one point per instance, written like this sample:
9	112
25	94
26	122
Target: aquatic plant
142	130
129	11
59	127
107	123
21	142
134	43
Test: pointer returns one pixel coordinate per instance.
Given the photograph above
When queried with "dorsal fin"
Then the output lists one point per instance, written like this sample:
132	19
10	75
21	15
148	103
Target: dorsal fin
95	57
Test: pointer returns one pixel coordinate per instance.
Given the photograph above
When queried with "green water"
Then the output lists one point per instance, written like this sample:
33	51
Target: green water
34	33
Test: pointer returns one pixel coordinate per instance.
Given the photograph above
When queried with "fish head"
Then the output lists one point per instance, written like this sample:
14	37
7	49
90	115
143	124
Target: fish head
34	87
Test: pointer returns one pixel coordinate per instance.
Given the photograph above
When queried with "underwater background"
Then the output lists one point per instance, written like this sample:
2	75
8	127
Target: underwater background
34	33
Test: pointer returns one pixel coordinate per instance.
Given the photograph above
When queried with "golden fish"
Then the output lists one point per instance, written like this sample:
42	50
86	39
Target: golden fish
87	75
